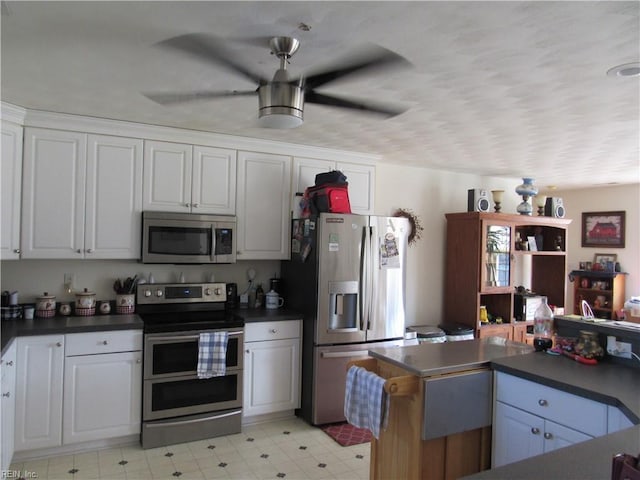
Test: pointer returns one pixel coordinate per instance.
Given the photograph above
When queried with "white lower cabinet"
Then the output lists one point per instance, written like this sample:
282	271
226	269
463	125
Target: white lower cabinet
521	435
272	364
8	406
531	419
94	393
40	362
102	392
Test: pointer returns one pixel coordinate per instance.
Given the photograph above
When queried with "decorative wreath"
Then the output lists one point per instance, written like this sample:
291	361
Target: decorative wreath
414	221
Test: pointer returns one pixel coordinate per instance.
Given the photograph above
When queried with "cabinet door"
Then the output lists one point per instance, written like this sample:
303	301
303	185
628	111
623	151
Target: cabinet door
8	404
495	271
497	330
53	194
113	198
214	181
558	436
39	392
305	171
264	183
516	435
102	396
11	177
271	376
362	185
167	177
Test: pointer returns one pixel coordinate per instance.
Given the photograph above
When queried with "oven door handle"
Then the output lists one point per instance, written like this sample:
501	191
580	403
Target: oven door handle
195	420
187	337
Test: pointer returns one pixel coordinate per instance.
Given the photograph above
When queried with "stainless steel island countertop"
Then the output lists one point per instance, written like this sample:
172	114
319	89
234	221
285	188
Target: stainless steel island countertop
425	360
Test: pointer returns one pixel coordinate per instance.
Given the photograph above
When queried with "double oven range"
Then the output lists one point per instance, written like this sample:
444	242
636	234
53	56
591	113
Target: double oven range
177	405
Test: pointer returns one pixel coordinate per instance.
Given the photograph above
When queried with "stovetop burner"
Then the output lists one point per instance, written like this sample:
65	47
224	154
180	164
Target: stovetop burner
184	307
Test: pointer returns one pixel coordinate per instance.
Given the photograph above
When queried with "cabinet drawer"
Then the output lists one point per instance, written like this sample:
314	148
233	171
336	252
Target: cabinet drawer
567	409
103	342
260	331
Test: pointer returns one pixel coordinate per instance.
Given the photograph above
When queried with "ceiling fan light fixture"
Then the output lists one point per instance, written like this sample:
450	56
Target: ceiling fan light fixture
287	118
280	105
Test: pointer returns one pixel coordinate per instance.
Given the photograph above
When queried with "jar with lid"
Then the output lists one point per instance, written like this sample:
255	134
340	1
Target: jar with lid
543	326
588	346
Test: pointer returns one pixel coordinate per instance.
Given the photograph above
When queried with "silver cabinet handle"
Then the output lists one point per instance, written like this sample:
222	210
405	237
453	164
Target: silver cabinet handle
104	342
195	205
58	344
548	436
542	402
17	250
187	204
138	360
273	330
9	363
89	250
535	430
79	250
6	395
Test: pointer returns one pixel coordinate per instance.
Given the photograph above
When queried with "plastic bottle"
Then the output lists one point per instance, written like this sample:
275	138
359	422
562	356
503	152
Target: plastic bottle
543	326
259	302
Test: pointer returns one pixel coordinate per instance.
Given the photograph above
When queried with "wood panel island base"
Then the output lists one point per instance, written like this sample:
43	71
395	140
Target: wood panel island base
439	423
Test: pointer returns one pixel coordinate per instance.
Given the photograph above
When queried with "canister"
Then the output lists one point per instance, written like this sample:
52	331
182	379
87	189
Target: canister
46	306
85	303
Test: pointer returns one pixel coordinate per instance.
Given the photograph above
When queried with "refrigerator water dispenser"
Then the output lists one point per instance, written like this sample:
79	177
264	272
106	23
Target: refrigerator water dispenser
343	306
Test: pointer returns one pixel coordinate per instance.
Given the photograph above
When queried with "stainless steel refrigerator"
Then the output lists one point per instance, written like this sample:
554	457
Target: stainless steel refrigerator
347	276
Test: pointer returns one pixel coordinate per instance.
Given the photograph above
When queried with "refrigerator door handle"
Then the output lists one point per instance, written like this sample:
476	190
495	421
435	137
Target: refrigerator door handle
374	255
364	275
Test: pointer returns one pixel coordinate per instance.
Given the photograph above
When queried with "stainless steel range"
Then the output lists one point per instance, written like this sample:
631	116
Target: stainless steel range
177	405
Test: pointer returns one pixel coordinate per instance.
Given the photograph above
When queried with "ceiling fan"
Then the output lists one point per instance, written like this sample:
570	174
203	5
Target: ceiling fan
281	99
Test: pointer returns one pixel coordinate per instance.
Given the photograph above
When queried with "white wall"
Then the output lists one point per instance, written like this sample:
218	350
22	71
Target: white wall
605	199
431	194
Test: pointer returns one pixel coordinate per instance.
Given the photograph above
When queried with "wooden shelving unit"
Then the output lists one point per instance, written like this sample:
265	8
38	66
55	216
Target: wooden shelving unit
488	253
603	291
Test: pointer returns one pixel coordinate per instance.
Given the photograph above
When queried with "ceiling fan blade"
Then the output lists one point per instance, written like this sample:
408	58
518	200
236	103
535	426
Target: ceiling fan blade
168	98
365	61
362	105
211	48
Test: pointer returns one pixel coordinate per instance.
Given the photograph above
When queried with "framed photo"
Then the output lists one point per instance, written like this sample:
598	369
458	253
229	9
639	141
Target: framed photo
603	229
605	259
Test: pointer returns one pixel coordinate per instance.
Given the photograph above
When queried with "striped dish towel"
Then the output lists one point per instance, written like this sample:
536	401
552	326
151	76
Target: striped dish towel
366	404
212	354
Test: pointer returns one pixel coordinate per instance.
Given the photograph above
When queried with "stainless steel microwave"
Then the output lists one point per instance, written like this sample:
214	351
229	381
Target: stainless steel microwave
188	238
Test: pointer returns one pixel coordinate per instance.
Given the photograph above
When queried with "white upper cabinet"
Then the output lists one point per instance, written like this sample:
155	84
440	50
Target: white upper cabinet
264	186
183	178
11	176
81	195
361	179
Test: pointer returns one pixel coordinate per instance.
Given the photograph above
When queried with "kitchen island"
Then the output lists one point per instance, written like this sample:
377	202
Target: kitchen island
440	411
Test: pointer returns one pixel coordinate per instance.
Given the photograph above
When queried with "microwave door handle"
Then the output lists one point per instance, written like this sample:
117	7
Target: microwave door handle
213	242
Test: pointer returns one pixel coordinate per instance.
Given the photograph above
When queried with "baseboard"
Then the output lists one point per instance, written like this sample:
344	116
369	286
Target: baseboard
268	417
27	455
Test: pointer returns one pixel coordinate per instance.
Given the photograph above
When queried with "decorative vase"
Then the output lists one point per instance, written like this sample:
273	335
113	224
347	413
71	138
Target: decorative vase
526	190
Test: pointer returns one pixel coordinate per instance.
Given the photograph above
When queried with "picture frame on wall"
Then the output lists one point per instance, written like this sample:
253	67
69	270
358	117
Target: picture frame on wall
603	229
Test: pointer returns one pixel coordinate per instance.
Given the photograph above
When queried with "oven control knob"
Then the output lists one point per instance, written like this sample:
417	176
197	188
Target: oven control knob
147	293
158	293
207	292
217	291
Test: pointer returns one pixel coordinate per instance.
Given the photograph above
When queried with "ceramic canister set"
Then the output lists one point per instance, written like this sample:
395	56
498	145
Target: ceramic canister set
85	305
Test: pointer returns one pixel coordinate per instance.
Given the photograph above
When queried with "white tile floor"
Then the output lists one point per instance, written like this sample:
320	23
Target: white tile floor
285	449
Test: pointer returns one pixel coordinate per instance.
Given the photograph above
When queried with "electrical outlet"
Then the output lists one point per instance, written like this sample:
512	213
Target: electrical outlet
618	349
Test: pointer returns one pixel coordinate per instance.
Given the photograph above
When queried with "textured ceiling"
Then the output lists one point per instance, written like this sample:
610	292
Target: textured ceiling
506	89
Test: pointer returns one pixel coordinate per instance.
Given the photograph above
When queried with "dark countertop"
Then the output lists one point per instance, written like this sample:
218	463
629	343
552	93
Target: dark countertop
439	358
56	325
263	315
607	383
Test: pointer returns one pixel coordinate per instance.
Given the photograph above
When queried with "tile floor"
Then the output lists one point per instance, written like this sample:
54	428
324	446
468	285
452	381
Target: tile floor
286	449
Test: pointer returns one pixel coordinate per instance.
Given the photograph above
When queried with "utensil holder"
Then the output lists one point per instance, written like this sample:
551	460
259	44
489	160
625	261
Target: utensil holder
125	303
